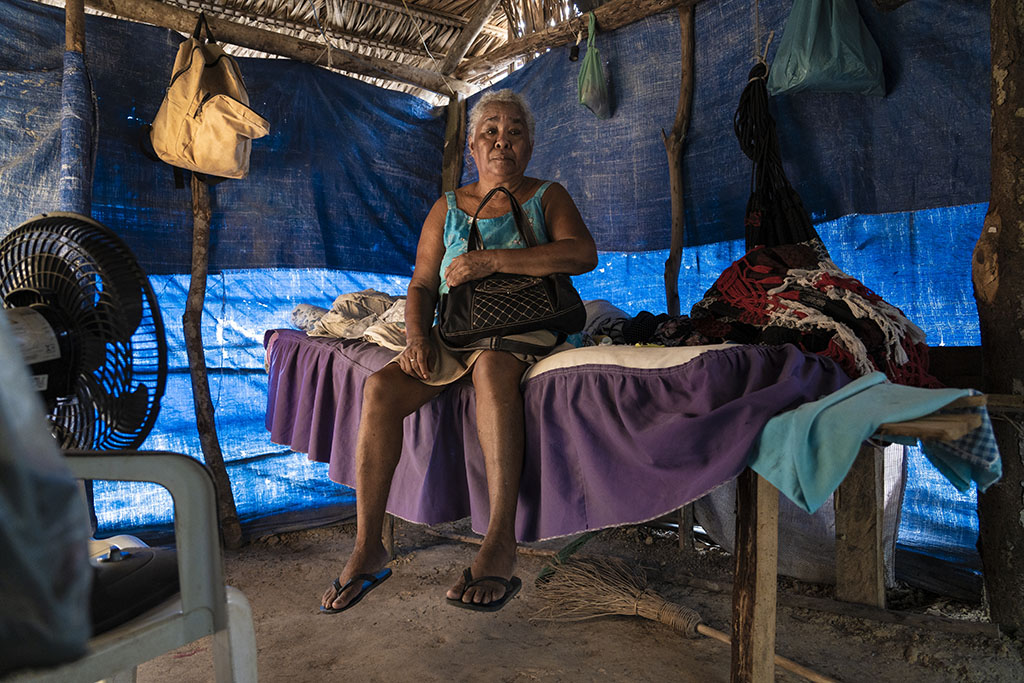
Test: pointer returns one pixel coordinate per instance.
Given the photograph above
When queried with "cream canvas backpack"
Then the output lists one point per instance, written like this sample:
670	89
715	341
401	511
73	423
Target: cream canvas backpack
204	123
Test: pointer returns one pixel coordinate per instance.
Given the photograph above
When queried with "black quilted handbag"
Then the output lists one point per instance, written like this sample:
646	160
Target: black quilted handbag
480	314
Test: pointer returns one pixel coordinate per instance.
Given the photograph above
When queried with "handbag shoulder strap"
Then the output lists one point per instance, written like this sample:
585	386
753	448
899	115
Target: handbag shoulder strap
518	215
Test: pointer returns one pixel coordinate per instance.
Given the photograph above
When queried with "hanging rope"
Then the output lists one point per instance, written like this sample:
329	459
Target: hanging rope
323	34
774	215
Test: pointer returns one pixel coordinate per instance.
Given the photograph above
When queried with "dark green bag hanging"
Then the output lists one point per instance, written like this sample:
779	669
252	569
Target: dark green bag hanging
826	47
593	86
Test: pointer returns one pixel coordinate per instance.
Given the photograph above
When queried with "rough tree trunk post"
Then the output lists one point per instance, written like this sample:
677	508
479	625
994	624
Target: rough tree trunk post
74	25
191	321
674	150
998	274
454	144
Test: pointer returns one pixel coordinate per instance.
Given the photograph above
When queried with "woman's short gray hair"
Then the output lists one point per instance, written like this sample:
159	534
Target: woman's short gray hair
504	96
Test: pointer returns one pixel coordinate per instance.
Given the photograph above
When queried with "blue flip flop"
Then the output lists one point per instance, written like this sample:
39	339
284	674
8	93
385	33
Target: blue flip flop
369	582
512	587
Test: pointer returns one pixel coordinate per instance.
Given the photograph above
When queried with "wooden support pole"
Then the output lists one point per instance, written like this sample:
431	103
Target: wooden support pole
756	581
387	536
183	21
686	529
454	144
860	563
998	276
191	321
74	25
610	16
674	150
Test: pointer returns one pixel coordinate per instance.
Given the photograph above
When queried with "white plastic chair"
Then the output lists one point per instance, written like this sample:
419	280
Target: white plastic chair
205	605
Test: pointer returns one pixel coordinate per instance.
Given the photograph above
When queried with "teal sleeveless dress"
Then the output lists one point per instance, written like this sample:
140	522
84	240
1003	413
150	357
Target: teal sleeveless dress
497	233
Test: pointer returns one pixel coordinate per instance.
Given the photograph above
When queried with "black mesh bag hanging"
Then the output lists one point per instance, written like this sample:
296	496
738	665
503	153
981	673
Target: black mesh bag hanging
775	215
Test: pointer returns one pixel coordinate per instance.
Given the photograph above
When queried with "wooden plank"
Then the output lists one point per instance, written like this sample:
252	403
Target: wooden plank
860	565
968	402
1005	403
755	589
942	427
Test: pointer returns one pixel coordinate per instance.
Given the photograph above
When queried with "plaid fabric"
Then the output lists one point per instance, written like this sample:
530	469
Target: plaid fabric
972	457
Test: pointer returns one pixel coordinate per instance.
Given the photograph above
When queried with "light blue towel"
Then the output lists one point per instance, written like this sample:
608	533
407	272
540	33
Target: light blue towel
807	452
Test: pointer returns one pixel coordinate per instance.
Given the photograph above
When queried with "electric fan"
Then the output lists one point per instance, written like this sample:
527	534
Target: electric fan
88	325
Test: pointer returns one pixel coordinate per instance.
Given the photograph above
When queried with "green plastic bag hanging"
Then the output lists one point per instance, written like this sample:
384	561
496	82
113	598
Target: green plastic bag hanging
827	48
593	86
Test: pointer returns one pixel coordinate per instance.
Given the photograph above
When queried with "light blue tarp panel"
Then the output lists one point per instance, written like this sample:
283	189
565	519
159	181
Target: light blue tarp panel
838	149
339	189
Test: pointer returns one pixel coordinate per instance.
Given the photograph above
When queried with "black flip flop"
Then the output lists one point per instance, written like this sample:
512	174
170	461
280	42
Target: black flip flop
369	581
512	587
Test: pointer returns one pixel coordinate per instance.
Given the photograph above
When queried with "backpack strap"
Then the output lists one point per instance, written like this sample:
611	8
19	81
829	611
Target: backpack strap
200	24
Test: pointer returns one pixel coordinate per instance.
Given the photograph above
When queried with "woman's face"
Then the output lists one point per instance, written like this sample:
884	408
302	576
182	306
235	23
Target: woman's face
501	145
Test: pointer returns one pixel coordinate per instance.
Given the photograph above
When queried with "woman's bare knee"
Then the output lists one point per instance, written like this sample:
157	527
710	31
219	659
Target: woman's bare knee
391	390
497	368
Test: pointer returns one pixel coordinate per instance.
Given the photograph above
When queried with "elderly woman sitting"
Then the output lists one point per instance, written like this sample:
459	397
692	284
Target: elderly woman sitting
500	142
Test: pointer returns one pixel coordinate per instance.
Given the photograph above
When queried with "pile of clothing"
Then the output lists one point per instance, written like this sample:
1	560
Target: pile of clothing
796	294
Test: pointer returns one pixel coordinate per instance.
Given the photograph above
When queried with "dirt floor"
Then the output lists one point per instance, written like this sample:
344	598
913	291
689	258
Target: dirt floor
404	630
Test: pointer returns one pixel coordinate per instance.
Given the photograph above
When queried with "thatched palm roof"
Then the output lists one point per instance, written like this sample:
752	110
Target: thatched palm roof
417	46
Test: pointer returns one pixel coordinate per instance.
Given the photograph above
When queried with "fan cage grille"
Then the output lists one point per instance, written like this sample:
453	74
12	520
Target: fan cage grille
80	267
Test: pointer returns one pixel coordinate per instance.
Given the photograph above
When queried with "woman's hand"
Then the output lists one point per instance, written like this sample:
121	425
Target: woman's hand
417	358
472	265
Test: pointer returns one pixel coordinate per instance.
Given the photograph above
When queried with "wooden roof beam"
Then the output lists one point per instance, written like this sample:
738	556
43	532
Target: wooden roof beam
228	12
481	13
610	16
177	19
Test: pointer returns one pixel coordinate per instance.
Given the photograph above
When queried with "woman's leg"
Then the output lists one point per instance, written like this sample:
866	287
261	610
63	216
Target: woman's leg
499	416
388	397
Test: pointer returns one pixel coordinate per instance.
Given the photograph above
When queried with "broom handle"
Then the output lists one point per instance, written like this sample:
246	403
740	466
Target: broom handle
684	620
788	664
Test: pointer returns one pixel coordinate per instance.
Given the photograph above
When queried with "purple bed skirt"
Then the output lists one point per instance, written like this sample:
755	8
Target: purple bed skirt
605	445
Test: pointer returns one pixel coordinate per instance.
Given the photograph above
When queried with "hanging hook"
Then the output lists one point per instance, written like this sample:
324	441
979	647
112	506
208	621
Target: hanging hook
574	51
764	56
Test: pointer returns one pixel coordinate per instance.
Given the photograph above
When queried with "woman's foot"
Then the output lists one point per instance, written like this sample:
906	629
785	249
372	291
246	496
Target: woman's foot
494	559
362	561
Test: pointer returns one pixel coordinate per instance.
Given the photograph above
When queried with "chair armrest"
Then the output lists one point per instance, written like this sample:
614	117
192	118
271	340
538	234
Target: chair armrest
200	561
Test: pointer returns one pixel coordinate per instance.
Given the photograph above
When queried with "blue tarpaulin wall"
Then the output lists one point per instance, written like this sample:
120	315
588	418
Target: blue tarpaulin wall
338	190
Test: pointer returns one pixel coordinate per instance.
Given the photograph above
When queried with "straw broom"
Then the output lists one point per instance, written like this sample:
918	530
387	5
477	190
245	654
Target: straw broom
580	589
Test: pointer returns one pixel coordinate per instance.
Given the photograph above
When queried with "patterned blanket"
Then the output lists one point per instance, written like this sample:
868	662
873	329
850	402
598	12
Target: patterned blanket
795	294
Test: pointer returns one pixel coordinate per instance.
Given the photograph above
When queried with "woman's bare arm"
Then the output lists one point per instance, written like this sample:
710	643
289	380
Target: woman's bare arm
571	249
417	358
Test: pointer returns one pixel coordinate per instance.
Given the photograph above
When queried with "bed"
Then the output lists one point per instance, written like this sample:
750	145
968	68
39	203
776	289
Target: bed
614	434
620	435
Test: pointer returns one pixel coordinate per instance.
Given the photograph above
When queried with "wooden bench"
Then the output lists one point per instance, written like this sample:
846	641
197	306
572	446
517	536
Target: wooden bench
860	570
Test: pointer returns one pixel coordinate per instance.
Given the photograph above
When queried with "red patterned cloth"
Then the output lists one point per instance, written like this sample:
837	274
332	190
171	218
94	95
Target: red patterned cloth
796	294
